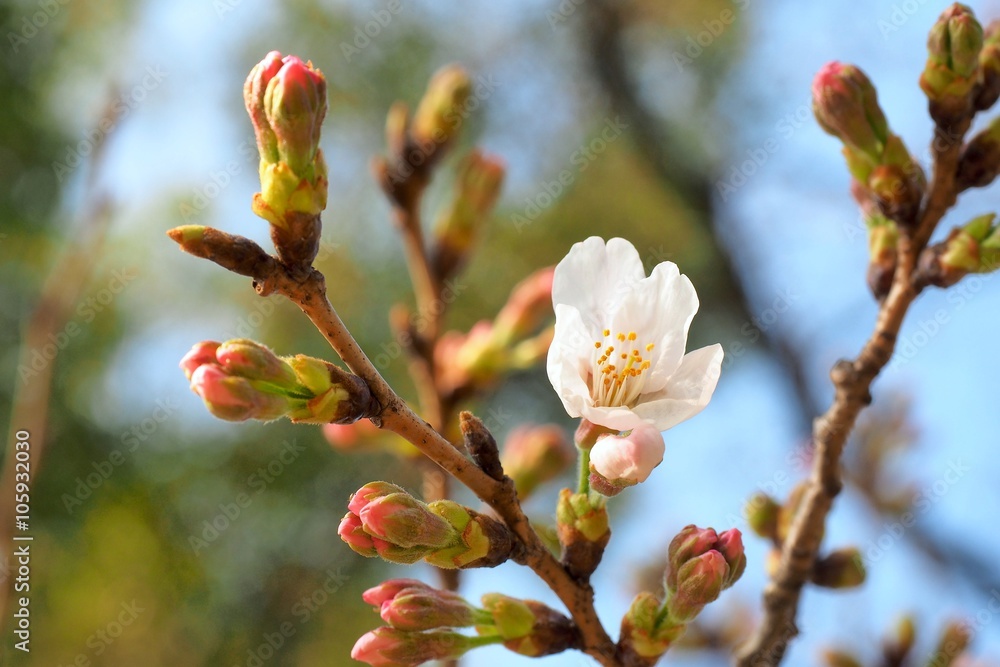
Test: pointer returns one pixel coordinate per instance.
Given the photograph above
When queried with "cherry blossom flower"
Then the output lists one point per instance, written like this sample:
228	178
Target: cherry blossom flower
617	358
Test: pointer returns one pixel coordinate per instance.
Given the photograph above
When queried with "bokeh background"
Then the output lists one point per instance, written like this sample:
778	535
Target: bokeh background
122	119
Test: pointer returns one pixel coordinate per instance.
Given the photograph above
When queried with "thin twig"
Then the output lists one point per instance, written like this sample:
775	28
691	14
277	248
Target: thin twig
852	381
310	295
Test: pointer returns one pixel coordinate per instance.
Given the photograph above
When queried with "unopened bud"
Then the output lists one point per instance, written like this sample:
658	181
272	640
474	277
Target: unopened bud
883	237
646	633
438	116
980	159
482	540
528	627
253	361
951	72
699	582
235	398
620	461
583	530
700	565
898	646
533	455
286	100
846	105
974	248
897	195
761	511
388	647
477	187
406	604
843	568
988	84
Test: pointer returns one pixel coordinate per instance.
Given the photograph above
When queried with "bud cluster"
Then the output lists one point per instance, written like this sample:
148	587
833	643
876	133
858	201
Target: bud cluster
584	532
846	106
286	101
700	565
974	248
952	72
241	379
421	620
385	521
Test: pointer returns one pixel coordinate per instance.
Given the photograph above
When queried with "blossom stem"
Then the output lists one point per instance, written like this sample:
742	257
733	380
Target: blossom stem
584	486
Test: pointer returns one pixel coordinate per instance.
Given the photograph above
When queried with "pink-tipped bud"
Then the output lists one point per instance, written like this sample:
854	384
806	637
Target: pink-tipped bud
253	361
730	545
253	96
406	604
618	462
235	398
846	105
388	647
352	532
534	455
529	306
402	520
699	581
689	543
199	355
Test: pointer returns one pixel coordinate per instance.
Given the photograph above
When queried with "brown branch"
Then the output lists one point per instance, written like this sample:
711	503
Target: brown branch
310	295
852	381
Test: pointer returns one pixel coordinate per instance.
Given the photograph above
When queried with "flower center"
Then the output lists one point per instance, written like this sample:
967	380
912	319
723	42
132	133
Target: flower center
619	369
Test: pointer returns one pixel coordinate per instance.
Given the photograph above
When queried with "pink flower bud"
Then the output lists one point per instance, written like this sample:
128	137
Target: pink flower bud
617	462
730	545
353	533
251	360
404	521
253	97
199	355
388	647
295	105
699	581
235	398
387	590
369	492
421	607
690	543
846	105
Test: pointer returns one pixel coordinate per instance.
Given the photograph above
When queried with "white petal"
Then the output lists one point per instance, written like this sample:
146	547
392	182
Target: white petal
660	310
568	362
593	276
620	419
630	457
688	390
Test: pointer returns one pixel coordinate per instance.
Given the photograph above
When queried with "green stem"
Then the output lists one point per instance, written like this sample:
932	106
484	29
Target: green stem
584	471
